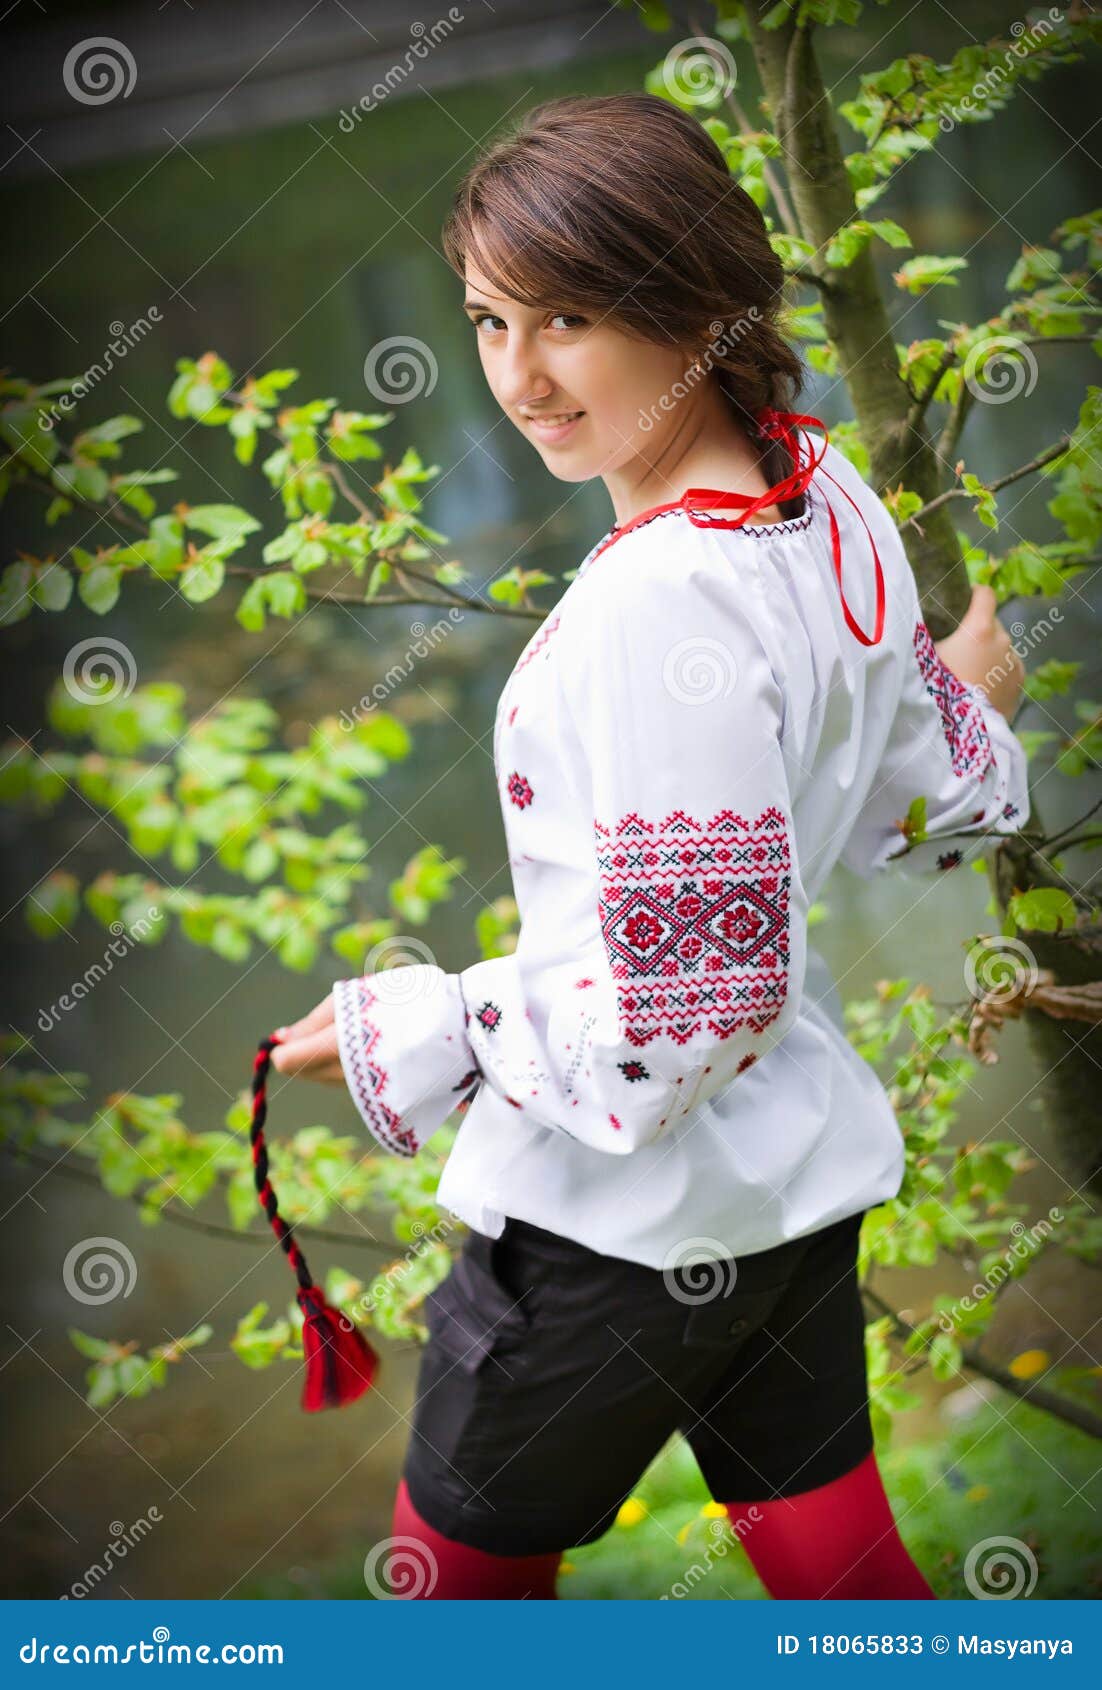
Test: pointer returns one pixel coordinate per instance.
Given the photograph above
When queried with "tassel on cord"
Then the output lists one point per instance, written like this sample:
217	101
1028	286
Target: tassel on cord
340	1363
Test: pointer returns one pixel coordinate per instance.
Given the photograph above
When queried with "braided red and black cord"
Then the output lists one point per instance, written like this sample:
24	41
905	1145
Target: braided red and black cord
285	1234
340	1363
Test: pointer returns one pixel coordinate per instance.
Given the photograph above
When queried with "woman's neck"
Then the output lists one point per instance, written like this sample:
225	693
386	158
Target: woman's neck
708	448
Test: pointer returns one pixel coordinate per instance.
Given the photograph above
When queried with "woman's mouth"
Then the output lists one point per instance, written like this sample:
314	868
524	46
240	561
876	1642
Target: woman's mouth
556	427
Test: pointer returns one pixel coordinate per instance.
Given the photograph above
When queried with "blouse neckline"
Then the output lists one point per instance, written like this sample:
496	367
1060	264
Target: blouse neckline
697	503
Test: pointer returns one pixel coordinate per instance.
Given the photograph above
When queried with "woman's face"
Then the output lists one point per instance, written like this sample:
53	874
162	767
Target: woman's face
545	365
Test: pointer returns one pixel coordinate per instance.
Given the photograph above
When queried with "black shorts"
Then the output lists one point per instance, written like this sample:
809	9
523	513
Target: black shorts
554	1375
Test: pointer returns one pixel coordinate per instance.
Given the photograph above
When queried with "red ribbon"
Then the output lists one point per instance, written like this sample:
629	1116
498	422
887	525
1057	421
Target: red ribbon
782	425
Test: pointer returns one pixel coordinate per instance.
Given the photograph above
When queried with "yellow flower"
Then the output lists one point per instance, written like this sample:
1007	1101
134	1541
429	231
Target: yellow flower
713	1511
631	1512
1029	1364
978	1493
567	1567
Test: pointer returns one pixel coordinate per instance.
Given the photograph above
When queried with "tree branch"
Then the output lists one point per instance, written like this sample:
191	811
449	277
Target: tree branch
192	1223
1063	1408
1046	457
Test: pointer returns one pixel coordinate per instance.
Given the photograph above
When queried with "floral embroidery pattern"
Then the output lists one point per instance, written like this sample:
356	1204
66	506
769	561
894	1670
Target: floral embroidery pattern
633	1070
520	790
489	1016
961	716
695	920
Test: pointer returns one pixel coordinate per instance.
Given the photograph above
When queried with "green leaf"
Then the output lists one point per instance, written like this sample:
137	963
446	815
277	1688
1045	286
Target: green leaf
53	587
98	588
221	521
54	905
167	536
94	1348
16	592
202	579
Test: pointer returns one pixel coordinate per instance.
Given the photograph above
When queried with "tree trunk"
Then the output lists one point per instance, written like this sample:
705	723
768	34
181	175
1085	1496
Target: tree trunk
1069	1053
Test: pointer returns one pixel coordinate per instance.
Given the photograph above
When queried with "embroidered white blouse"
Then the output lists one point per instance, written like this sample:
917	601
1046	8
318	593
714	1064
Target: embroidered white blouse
700	729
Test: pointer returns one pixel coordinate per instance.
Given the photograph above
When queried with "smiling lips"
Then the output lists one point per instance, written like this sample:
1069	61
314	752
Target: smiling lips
554	427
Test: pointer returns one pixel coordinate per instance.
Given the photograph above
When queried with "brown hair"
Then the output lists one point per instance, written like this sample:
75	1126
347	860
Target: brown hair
622	205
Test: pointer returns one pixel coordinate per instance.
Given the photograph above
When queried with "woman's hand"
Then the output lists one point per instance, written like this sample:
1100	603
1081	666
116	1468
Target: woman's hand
979	652
309	1047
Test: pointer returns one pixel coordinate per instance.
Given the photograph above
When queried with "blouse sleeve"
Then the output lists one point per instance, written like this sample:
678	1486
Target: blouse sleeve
680	961
949	746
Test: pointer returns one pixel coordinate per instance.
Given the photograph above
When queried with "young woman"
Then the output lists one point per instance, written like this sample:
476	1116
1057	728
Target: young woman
671	1143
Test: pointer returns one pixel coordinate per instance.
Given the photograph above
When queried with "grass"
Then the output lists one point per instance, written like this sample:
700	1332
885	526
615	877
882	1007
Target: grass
1008	1472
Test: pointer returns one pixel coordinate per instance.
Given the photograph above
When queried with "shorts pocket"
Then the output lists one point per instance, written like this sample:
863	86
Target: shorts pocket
475	1353
473	1313
723	1323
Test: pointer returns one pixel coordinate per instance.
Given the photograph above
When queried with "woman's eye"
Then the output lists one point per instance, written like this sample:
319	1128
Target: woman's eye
569	318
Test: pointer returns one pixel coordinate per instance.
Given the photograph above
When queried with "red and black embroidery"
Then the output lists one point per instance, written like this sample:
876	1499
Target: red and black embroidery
633	1070
489	1016
520	790
961	716
950	859
695	919
367	1078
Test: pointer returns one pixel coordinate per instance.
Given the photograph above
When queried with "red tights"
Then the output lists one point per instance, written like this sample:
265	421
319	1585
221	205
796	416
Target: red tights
837	1542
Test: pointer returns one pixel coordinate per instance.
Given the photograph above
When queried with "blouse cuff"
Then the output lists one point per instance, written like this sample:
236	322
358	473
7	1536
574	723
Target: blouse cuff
403	1046
1005	805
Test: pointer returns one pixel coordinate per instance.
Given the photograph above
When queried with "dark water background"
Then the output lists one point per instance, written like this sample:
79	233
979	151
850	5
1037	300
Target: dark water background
306	246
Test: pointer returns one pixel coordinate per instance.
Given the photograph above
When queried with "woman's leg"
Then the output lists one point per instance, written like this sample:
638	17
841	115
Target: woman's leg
838	1541
464	1573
